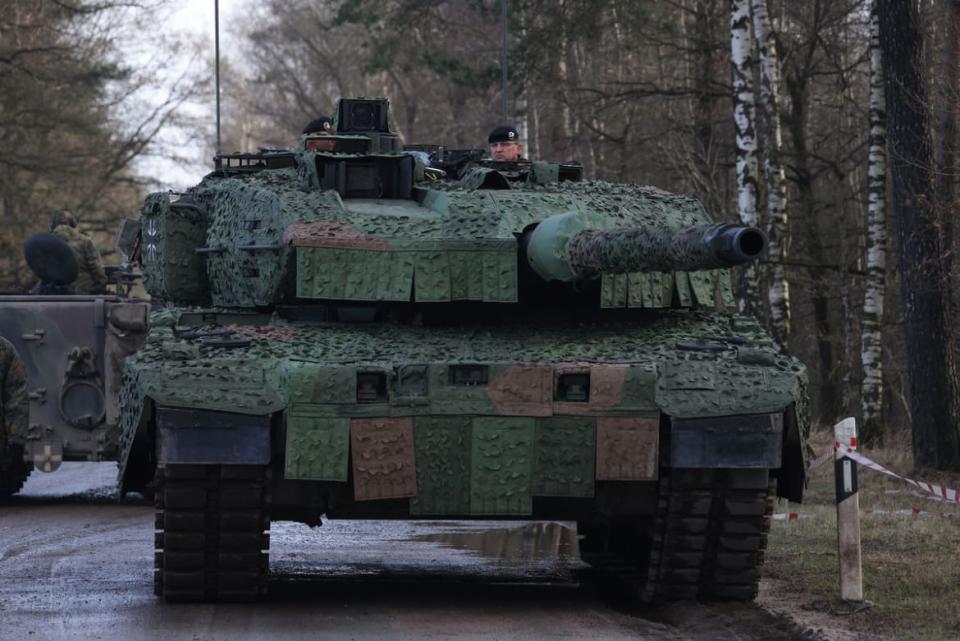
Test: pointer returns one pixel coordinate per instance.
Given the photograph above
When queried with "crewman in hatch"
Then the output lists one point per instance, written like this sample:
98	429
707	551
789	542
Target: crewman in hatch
321	125
311	136
505	144
92	278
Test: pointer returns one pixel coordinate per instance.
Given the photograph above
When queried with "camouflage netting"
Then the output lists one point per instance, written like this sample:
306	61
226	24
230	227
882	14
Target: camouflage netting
683	363
451	243
171	269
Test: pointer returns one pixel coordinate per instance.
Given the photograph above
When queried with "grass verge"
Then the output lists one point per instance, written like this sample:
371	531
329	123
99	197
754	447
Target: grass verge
911	573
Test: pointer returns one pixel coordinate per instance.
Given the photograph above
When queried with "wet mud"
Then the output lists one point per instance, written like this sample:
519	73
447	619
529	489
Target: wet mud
76	562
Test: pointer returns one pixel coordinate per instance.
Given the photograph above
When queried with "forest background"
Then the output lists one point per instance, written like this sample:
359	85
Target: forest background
636	90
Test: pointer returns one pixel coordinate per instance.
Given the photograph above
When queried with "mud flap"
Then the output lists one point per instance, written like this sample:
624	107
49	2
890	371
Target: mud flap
211	438
734	442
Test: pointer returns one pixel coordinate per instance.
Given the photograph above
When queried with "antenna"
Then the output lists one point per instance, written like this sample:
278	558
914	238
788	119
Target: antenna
216	40
503	61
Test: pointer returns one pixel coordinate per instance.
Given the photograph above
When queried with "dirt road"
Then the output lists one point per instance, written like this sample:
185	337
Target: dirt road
76	563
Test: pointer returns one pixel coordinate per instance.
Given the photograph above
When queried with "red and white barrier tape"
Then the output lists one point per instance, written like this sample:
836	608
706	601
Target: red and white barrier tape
913	511
939	491
790	516
913	493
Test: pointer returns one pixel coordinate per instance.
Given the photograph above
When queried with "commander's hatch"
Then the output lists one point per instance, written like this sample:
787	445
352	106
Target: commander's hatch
491	174
363	159
367	176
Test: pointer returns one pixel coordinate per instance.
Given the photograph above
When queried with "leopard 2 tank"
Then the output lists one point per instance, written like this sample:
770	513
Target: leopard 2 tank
350	331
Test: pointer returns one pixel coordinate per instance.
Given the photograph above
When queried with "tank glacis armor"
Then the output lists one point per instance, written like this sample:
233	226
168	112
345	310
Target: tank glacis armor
349	332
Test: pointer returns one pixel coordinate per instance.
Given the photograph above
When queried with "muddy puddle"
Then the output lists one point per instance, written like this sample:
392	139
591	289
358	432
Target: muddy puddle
499	550
531	542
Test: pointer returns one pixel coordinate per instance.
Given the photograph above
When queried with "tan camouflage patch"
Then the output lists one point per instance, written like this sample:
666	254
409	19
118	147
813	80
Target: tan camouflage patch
332	234
606	389
523	390
627	448
383	458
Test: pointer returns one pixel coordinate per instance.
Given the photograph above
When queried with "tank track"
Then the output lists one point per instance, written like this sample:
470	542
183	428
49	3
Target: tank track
212	533
13	471
706	541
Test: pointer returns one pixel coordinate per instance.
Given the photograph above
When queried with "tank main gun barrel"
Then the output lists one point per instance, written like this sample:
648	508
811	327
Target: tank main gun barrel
620	251
563	248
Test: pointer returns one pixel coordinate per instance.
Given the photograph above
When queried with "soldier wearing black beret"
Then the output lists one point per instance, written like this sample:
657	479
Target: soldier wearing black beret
321	125
505	144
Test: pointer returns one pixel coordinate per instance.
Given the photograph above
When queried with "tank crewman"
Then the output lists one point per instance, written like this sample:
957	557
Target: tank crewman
505	144
13	395
321	125
92	278
312	136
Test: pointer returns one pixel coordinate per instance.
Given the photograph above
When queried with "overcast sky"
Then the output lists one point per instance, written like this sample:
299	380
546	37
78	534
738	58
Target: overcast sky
196	19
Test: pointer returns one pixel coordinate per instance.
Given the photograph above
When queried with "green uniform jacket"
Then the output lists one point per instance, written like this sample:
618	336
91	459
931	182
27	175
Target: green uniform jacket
13	395
91	279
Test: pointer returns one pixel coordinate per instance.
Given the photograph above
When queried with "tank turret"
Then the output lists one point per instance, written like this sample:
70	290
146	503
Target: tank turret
564	247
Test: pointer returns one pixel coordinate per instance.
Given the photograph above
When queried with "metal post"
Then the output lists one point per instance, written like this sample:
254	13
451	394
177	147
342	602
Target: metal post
216	41
503	62
848	514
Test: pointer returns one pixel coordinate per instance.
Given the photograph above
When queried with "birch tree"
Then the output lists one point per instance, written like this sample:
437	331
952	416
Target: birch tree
778	293
871	345
928	333
741	55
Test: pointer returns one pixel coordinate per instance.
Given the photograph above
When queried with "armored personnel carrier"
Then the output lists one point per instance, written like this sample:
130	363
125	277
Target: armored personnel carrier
353	330
62	364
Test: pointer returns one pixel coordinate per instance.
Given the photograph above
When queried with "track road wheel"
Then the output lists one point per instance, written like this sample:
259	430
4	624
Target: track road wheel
710	535
706	540
212	533
738	535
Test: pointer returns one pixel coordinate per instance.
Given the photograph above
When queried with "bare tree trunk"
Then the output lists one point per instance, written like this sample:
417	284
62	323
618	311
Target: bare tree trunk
930	357
825	337
947	130
947	126
533	123
778	294
743	115
702	66
871	343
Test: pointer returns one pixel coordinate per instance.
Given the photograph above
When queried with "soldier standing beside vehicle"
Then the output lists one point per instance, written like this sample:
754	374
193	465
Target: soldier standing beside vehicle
92	279
505	144
13	417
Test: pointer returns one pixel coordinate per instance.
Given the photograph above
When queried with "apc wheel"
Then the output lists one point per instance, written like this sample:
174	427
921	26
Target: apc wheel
13	471
212	536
